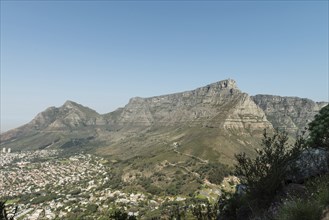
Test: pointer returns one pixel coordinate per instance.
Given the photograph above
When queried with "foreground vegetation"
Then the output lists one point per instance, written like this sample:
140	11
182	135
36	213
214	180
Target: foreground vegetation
267	194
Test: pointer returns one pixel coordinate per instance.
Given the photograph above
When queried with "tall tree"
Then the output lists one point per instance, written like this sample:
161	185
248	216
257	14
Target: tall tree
319	129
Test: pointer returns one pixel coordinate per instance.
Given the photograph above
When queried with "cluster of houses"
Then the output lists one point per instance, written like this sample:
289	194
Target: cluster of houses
7	157
76	181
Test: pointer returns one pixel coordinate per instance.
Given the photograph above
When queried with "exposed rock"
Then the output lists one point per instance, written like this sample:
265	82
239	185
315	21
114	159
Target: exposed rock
240	189
288	113
247	115
294	190
322	104
311	162
219	104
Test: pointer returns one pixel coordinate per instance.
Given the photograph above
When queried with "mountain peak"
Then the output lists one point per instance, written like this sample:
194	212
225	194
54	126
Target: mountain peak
225	84
70	104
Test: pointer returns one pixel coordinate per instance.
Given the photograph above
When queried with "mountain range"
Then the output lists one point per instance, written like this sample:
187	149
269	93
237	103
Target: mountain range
212	122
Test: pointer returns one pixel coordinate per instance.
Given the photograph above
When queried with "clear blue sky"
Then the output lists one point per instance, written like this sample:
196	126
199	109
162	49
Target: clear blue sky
101	53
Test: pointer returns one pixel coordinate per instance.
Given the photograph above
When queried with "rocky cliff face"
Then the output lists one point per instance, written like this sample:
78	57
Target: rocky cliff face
217	117
289	113
247	115
219	104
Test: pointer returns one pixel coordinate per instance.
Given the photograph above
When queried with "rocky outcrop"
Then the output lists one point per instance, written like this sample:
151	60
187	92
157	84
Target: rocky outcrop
312	162
288	113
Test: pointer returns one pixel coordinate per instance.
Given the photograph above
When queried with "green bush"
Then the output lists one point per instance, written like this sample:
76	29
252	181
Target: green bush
323	196
203	210
118	214
154	190
264	175
173	189
92	208
78	215
41	199
319	129
75	191
172	210
230	205
300	210
153	215
311	205
319	189
214	172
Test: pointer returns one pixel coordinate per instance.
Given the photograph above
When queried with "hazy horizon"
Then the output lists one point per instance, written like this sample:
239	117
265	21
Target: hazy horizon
100	54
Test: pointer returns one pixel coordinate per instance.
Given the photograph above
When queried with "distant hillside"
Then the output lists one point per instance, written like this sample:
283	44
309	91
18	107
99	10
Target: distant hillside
289	113
212	122
53	127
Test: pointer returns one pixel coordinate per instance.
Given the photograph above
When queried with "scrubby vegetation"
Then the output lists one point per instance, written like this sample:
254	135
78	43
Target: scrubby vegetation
311	206
265	174
263	179
214	172
299	209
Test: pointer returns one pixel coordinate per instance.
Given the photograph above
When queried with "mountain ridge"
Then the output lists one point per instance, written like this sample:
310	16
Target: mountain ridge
210	118
189	106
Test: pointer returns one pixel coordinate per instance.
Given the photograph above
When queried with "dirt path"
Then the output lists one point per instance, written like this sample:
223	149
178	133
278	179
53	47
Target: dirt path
191	156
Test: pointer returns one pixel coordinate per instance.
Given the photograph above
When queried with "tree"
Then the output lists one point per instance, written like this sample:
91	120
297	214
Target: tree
319	129
3	212
203	210
265	174
119	214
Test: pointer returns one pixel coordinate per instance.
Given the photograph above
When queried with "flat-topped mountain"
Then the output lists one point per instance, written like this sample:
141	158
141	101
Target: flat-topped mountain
219	104
214	121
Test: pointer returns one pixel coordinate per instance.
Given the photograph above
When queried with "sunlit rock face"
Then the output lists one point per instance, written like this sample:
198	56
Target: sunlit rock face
288	113
247	115
219	104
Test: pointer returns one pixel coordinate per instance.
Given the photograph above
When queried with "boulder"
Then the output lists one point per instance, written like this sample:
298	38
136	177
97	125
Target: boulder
312	162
